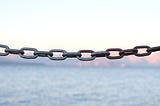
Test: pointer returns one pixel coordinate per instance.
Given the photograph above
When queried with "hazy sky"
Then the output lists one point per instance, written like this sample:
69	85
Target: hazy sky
79	24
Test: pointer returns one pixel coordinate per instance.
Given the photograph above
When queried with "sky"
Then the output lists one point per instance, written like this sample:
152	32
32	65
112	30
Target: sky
79	24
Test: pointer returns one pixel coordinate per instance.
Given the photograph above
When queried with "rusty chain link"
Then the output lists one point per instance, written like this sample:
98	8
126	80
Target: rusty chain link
81	54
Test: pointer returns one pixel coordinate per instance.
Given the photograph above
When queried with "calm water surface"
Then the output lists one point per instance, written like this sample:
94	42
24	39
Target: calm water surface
78	86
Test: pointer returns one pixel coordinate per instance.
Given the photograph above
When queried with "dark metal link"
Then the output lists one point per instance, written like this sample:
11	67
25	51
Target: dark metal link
57	58
153	49
14	51
43	53
72	54
100	54
127	52
86	58
142	54
4	53
28	56
115	50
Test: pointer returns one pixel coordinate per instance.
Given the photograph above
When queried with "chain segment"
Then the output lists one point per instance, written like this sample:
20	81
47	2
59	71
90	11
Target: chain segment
114	50
4	47
72	54
153	49
43	53
128	52
86	58
52	57
24	55
142	54
83	55
100	54
14	51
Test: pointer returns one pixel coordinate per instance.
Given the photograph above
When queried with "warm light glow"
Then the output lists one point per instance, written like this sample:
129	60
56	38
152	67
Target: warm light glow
74	25
153	59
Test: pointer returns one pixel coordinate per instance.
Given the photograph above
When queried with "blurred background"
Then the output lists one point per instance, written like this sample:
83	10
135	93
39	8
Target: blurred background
74	25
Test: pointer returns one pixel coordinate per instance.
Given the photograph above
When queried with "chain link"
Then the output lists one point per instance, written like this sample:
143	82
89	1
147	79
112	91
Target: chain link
52	57
153	49
114	50
72	54
14	51
83	55
100	54
43	53
24	55
86	58
128	52
4	47
142	54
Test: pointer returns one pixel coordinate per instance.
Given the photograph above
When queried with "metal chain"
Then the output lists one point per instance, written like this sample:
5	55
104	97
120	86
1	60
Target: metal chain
83	55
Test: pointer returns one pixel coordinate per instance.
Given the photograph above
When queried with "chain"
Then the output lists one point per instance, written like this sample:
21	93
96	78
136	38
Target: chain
83	55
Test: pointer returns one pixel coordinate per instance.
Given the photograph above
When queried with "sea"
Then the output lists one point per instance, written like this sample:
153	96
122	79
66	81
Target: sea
36	85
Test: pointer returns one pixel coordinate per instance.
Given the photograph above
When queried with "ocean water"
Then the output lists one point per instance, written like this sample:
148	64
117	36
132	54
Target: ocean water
32	85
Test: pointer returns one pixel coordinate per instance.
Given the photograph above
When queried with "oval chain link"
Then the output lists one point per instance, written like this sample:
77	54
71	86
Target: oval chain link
114	50
86	58
142	54
23	55
52	57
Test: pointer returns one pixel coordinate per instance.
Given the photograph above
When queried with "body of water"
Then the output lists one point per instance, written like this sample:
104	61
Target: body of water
32	85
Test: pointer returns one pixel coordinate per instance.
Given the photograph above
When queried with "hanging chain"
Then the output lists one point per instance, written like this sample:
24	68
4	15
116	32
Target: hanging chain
81	54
